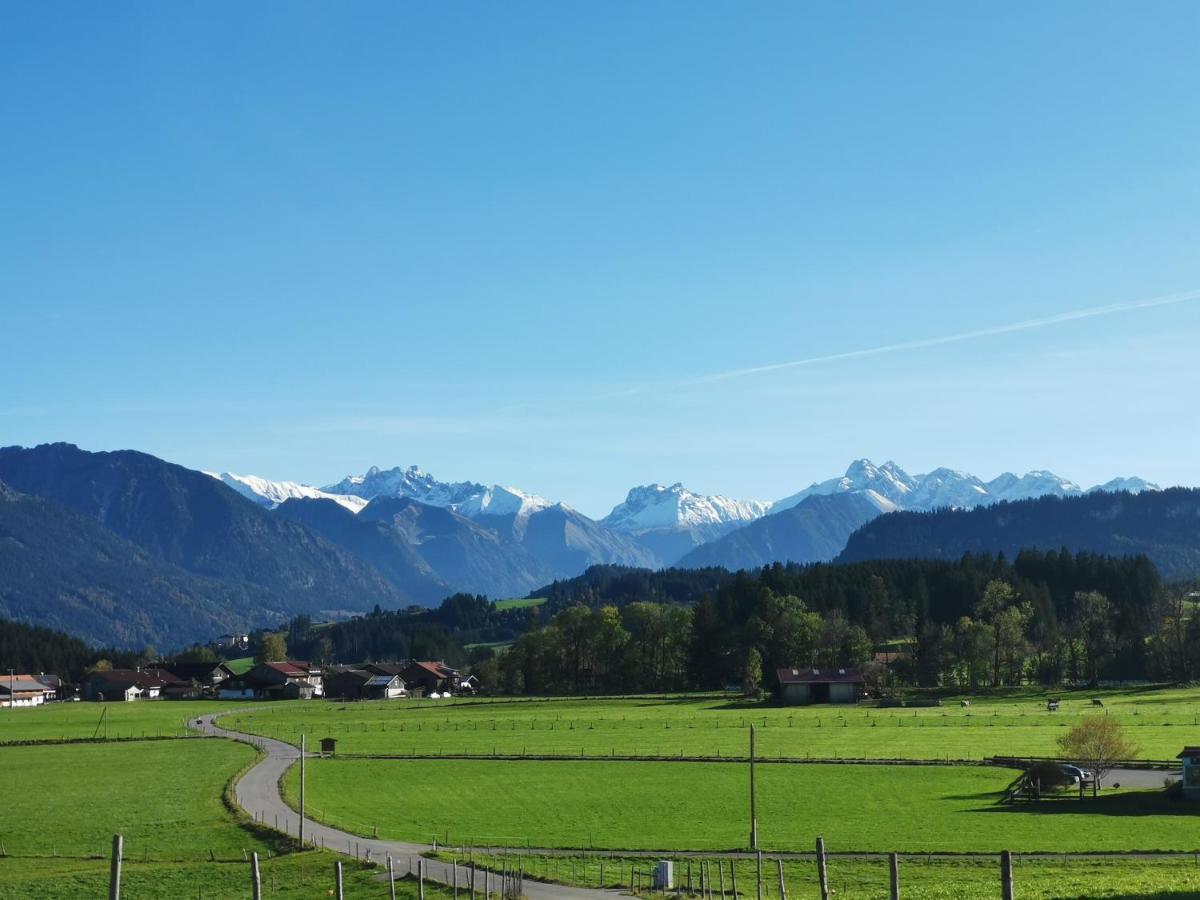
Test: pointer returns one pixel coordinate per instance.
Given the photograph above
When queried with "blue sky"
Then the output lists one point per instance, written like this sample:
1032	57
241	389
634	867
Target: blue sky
510	242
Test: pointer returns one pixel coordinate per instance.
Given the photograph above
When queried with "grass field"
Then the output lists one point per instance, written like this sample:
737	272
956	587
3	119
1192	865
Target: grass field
695	806
520	602
920	879
298	876
1161	722
163	796
63	721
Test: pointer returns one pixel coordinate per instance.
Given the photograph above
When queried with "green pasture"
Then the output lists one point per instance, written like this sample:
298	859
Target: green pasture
520	602
71	721
297	876
920	878
241	665
705	806
1161	722
165	797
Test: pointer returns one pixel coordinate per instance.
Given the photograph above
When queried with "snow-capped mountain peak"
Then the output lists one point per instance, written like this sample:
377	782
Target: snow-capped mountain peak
502	501
271	493
412	482
888	481
945	487
656	506
1132	485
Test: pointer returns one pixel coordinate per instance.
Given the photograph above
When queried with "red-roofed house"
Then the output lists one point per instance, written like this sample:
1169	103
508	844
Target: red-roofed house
431	678
274	676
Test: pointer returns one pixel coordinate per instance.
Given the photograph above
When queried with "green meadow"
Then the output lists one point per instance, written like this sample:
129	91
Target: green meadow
165	797
1170	878
297	876
73	721
1161	722
705	806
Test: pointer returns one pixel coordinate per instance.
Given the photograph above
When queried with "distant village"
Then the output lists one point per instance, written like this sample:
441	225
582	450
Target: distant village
285	680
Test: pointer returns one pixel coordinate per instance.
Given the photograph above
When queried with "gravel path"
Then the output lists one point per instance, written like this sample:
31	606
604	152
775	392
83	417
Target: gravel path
258	793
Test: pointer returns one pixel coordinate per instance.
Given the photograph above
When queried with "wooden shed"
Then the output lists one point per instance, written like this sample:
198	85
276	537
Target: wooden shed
799	686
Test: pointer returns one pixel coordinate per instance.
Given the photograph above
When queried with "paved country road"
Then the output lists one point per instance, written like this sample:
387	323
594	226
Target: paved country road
258	793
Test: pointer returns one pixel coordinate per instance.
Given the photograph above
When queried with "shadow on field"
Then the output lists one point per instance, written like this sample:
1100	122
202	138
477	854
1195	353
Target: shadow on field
1125	803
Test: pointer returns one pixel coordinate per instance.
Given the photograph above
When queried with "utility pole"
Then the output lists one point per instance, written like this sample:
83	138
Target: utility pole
12	695
301	790
753	805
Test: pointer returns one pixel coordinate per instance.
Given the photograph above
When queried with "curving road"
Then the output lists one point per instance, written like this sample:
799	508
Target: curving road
258	793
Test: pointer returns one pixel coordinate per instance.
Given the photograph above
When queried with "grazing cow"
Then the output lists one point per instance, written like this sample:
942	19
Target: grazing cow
964	703
1096	701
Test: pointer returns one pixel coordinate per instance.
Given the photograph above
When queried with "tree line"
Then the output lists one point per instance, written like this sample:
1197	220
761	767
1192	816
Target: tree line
982	621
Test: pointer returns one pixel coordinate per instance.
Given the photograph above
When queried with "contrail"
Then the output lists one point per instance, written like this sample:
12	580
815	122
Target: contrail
921	343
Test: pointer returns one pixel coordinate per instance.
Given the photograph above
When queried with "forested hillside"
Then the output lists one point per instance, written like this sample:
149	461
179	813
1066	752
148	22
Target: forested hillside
1163	525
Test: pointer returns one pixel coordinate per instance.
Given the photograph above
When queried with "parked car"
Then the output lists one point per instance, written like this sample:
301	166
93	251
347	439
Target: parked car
1077	774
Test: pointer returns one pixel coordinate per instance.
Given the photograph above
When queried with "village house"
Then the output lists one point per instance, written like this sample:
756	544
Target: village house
291	680
366	683
425	678
24	690
799	686
126	684
385	687
205	674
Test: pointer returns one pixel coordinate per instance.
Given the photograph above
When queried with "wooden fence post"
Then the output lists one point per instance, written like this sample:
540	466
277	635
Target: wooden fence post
894	861
733	878
255	877
391	876
758	873
114	873
782	886
421	879
454	864
822	874
721	876
1006	876
339	891
472	876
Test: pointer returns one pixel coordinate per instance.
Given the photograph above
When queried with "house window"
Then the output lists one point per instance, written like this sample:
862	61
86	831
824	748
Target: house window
1192	775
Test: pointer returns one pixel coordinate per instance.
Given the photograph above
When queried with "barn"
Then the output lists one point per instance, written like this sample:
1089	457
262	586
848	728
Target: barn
799	686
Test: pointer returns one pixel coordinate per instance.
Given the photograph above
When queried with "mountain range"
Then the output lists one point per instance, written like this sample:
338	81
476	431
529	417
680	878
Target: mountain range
225	551
659	525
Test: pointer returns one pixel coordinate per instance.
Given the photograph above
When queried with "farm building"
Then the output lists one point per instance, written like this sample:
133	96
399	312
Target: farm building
384	687
24	690
128	684
797	686
346	684
290	680
1191	772
432	678
206	675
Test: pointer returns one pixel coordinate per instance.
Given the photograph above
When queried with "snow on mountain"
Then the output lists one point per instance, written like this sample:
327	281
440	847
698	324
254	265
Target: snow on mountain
890	487
888	483
467	498
1038	483
657	506
947	487
1133	485
412	482
502	501
271	493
